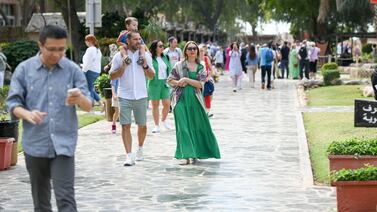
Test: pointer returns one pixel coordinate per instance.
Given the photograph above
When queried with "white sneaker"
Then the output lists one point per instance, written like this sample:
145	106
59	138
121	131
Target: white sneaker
166	125
156	129
139	155
130	161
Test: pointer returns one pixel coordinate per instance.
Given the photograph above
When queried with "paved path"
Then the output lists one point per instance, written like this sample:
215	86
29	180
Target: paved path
264	165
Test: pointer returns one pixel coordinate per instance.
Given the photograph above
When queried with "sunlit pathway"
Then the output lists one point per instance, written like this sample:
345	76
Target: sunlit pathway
260	170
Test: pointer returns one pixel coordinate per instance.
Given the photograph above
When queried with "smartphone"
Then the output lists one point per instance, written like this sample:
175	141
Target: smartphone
72	91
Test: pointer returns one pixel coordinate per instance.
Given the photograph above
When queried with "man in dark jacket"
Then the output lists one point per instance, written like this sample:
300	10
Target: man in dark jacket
304	61
243	56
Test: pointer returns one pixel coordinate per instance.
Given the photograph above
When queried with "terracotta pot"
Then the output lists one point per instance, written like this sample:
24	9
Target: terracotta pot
338	162
5	152
9	129
107	93
356	196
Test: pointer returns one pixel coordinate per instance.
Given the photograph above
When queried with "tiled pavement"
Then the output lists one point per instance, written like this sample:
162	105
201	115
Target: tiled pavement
264	165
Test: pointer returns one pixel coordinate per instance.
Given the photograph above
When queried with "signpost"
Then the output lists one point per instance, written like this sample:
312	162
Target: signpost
93	14
365	113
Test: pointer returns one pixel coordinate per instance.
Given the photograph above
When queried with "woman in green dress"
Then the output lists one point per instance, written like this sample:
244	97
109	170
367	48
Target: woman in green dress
157	87
293	63
195	139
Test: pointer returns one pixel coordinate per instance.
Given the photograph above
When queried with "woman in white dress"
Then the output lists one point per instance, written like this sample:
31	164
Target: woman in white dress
235	67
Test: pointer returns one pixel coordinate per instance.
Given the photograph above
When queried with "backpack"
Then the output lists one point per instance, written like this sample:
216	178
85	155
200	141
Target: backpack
269	56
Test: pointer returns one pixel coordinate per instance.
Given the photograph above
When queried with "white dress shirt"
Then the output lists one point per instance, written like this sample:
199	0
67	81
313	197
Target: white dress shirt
132	84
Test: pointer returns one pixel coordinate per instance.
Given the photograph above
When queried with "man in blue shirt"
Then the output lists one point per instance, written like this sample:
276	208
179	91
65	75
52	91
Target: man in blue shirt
266	57
43	93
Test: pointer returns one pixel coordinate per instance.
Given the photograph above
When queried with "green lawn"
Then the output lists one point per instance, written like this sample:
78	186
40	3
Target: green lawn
321	129
84	120
341	95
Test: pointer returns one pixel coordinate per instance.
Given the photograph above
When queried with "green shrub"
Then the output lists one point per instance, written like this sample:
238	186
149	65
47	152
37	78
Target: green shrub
329	66
367	48
363	174
19	51
3	107
353	146
3	45
329	76
102	82
365	57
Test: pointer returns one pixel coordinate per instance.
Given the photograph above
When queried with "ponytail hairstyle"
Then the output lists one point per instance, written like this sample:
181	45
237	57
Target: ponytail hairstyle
92	39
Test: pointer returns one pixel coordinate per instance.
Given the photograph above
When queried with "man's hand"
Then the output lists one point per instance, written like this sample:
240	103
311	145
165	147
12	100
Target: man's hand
35	116
74	96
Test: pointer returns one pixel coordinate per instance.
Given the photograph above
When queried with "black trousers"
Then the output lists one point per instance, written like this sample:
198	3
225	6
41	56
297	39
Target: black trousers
304	67
266	70
61	171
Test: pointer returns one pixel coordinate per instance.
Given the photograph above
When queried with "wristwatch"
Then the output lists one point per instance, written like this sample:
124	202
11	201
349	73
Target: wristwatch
146	67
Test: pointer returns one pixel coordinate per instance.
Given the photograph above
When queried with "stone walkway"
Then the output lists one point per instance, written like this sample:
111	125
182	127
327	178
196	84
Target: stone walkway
264	165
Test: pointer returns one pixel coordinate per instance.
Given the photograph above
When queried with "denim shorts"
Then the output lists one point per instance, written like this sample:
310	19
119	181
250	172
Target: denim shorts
137	107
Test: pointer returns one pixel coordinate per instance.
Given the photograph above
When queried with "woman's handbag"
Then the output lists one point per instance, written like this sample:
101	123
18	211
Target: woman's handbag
209	87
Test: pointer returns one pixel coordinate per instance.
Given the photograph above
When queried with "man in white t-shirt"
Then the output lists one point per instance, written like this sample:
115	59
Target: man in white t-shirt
132	93
173	52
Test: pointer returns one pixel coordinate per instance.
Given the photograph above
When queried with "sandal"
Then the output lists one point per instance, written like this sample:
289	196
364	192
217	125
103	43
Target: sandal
140	61
127	60
185	162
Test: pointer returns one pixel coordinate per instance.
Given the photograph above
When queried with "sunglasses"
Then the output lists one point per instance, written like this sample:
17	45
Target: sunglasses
192	48
160	46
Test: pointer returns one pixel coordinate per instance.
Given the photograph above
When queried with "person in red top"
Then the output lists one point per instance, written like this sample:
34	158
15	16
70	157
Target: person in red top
209	85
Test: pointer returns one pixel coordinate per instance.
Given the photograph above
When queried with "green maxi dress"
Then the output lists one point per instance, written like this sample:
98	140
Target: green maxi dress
195	138
293	64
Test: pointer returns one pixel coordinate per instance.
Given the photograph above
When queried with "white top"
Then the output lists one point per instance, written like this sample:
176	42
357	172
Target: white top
235	67
92	60
219	58
132	84
161	69
174	56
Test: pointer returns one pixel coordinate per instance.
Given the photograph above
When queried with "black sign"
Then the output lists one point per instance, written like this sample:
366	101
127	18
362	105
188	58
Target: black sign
365	113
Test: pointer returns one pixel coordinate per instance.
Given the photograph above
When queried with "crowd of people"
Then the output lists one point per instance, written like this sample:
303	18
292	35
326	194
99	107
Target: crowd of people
181	80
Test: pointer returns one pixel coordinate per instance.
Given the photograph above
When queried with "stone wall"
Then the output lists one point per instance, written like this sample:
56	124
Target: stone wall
363	71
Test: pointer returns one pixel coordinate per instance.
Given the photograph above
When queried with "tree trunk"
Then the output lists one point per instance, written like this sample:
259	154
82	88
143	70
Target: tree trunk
324	7
254	29
27	8
76	41
5	18
42	6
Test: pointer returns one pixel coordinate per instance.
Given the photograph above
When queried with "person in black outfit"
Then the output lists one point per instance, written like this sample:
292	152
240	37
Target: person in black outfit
284	59
304	61
243	57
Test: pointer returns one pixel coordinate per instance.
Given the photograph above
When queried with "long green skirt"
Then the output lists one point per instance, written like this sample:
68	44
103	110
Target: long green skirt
195	138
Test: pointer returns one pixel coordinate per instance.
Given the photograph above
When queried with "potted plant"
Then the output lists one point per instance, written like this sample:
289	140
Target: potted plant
104	87
356	189
352	153
8	128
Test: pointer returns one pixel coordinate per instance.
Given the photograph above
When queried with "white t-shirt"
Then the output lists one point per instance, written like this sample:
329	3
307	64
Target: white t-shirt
174	56
161	69
132	84
92	60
